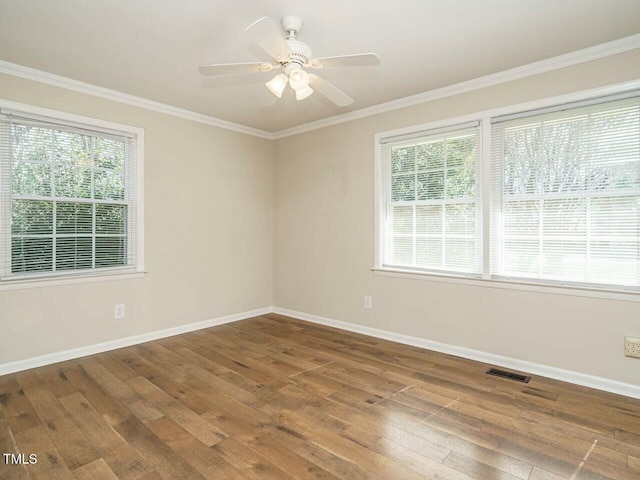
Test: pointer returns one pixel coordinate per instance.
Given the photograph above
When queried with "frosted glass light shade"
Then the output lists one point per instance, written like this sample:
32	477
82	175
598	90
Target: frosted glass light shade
277	84
299	79
303	93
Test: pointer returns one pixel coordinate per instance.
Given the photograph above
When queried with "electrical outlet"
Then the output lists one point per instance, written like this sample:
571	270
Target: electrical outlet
118	311
368	303
632	347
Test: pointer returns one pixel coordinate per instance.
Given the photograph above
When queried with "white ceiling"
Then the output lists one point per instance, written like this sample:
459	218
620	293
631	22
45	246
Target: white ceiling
152	48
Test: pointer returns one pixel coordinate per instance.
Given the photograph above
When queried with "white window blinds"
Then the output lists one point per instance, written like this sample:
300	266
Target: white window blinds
67	199
432	217
566	195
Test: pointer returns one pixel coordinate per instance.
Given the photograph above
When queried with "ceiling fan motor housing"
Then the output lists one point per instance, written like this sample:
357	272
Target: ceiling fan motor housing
300	52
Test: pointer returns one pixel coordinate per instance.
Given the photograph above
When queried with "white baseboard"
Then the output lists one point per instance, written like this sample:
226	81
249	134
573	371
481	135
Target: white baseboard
569	376
50	358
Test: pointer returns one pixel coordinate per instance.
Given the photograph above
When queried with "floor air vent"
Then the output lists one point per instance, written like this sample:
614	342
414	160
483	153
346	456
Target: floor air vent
508	375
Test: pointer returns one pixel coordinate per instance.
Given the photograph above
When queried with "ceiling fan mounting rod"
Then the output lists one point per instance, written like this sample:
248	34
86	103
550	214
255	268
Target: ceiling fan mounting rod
292	25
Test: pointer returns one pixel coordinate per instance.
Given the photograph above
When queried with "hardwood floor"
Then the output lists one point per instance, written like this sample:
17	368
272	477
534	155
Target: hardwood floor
277	398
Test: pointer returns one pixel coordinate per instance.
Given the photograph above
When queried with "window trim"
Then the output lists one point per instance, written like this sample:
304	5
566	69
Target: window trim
485	199
137	133
402	140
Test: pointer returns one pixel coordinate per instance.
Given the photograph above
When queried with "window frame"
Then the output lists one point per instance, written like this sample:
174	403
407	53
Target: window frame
84	276
476	199
485	174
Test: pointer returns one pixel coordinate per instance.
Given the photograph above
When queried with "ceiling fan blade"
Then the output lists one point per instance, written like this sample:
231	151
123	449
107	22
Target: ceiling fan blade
234	68
332	93
269	37
357	60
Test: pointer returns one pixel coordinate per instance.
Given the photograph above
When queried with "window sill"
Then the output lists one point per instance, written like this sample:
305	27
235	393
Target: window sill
70	280
624	295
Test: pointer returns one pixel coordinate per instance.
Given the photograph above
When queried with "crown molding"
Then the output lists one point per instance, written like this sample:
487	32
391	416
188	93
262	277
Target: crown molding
579	56
87	88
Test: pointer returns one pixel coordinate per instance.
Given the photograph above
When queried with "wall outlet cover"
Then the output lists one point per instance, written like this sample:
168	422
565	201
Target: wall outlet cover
118	311
368	302
632	347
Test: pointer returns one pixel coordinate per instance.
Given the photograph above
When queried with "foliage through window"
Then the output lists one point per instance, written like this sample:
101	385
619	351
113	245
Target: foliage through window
67	199
431	201
564	205
567	195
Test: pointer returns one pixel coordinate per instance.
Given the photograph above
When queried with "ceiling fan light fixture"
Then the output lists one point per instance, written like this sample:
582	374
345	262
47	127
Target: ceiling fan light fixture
277	84
299	79
291	55
303	93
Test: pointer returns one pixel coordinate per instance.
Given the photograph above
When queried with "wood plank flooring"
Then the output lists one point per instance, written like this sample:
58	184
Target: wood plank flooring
276	398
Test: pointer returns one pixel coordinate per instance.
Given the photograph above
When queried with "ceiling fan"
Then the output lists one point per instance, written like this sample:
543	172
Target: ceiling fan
291	55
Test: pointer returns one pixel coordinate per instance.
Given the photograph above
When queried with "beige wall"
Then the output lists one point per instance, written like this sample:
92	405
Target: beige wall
208	235
324	241
231	219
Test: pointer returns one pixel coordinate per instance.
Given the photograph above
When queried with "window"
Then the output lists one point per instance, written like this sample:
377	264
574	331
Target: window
566	191
432	217
67	198
561	204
